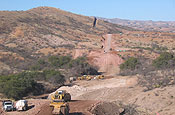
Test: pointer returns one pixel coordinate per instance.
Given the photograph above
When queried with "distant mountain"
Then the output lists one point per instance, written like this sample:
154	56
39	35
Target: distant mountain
163	26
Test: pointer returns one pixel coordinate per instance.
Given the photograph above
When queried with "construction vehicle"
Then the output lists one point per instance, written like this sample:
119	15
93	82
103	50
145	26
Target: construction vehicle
99	77
88	77
82	77
71	79
85	77
59	102
8	105
21	105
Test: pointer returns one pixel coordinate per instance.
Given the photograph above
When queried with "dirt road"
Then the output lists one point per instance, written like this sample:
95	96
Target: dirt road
108	43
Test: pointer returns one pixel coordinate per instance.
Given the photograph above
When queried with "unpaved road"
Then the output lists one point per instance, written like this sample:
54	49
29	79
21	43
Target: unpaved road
108	42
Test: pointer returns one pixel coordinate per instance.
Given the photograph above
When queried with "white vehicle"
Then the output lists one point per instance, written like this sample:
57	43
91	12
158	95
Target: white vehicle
8	105
22	105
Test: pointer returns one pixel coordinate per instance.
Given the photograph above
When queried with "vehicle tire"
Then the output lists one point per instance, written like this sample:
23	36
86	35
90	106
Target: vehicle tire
67	97
24	108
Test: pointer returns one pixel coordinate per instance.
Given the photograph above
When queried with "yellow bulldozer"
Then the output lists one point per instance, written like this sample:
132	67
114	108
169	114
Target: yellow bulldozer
59	102
82	77
85	77
99	77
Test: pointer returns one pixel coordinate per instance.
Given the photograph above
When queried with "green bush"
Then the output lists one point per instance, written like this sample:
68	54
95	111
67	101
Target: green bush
130	63
41	61
20	85
47	75
16	86
53	76
59	61
80	66
35	67
165	60
78	61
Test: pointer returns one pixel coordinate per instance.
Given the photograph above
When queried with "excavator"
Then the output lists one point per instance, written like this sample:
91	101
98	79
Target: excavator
59	102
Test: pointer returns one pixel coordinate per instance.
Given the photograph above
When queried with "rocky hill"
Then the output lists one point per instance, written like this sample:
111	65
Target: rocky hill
163	26
27	35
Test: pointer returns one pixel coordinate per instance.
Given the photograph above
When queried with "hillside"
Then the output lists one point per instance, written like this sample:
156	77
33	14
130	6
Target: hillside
27	35
38	33
163	26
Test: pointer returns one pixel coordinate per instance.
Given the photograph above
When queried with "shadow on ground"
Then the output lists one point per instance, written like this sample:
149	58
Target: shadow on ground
76	113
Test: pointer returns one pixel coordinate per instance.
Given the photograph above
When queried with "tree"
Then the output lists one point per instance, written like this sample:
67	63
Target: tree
130	63
165	60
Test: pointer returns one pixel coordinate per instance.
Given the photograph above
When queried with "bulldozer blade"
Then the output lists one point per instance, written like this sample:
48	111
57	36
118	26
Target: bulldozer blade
56	111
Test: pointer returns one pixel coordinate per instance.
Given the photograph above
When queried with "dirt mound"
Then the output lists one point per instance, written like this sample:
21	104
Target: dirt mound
82	107
107	108
116	108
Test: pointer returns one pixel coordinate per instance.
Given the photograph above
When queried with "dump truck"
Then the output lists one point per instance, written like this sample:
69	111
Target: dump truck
21	105
59	102
8	105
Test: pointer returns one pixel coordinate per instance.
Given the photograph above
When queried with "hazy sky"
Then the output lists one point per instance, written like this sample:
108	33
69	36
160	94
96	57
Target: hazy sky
163	10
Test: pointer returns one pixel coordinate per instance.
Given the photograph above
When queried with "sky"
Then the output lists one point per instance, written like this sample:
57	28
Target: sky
156	10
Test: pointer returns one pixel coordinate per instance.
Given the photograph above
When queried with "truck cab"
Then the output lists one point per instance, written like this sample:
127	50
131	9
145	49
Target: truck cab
8	105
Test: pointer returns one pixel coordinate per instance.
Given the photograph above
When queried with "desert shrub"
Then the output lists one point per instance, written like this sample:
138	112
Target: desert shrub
17	86
53	76
53	60
35	67
41	61
156	79
59	61
130	110
77	61
130	63
48	75
165	60
80	66
144	48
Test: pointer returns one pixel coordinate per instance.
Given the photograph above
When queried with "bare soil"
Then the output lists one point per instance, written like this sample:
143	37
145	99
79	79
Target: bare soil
87	95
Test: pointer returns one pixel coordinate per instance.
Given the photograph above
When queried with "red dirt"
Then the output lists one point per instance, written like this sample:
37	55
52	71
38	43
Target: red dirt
82	107
105	59
107	62
41	107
